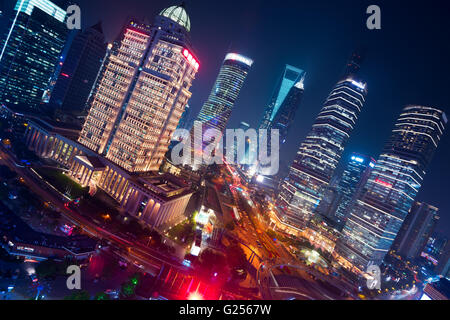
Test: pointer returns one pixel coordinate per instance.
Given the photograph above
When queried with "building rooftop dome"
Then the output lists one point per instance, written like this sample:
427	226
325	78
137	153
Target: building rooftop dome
179	15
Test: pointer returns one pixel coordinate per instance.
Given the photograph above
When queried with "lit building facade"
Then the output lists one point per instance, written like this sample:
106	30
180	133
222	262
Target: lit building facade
416	230
377	215
354	177
30	51
49	139
319	154
136	106
142	93
167	194
216	111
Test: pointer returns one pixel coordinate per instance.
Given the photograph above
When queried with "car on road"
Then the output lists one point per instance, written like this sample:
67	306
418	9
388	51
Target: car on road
240	273
113	294
34	278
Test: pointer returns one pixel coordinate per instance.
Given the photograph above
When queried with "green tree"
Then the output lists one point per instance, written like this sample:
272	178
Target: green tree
48	269
211	260
127	290
101	296
79	295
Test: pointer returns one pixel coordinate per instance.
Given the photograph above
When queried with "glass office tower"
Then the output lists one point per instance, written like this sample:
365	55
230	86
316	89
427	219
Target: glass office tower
30	51
79	71
355	176
216	111
290	78
416	230
380	210
319	153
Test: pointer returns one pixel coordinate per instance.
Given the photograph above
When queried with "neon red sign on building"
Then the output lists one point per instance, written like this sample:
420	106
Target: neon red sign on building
190	58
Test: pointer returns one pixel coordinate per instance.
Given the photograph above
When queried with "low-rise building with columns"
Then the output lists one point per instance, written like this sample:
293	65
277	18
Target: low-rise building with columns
50	139
159	200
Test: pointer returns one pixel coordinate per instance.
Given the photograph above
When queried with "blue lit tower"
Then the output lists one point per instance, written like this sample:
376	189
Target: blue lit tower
291	77
285	115
320	152
280	112
378	213
30	51
354	177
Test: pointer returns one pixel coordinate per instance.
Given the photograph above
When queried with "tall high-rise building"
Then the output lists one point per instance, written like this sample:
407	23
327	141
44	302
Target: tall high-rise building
354	177
443	265
79	71
285	115
377	215
142	92
280	112
416	230
319	154
244	126
329	202
291	77
216	111
435	246
30	51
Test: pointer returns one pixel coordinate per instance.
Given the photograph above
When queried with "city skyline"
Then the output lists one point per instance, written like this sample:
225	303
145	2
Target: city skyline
287	160
322	58
378	213
357	210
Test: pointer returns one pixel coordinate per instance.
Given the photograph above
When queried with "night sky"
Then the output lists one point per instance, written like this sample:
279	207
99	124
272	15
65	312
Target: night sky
406	62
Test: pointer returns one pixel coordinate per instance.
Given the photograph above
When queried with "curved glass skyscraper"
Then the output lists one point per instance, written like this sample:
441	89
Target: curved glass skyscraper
216	111
320	152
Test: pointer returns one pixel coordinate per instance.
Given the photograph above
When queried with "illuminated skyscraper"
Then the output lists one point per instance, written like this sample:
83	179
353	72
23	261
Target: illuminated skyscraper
319	153
286	113
416	230
30	51
354	177
216	111
292	78
142	92
378	213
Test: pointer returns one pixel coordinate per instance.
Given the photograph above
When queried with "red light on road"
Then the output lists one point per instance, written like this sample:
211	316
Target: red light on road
195	296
